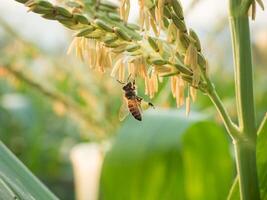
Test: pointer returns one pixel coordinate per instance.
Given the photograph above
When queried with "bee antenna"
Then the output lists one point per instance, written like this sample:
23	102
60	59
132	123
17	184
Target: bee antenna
121	82
129	77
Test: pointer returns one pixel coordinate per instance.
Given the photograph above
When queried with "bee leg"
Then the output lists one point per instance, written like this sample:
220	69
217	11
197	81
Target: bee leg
139	98
151	104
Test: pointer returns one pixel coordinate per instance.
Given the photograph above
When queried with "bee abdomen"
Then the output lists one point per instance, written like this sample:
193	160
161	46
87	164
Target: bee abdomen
135	111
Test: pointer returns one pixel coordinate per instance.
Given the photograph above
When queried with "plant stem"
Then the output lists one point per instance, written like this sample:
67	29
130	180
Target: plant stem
230	126
245	145
246	166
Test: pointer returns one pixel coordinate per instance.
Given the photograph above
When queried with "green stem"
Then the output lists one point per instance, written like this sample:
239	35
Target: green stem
245	145
246	166
230	126
243	74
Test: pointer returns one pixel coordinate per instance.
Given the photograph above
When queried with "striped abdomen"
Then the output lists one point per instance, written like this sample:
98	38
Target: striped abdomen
134	109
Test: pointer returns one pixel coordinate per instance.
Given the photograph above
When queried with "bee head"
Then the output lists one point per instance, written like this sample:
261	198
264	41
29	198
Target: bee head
128	86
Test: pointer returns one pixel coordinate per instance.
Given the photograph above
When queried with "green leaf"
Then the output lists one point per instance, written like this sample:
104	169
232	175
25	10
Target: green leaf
167	156
207	161
261	164
17	182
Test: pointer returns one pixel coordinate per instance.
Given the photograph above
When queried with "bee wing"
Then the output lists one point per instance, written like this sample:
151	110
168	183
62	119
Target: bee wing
124	111
139	102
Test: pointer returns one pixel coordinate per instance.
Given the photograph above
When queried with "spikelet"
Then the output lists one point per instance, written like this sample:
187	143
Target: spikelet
177	92
77	44
163	70
159	14
151	88
141	13
188	101
193	93
147	23
177	89
121	72
91	53
99	58
155	82
118	69
171	32
173	86
133	67
152	84
180	86
151	16
191	60
125	9
108	58
154	26
72	45
103	57
147	87
161	48
187	106
141	67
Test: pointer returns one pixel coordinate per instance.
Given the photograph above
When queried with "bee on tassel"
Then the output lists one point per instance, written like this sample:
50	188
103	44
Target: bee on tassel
131	102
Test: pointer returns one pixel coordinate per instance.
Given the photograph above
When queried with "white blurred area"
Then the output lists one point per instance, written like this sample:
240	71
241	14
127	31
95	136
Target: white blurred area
87	160
46	33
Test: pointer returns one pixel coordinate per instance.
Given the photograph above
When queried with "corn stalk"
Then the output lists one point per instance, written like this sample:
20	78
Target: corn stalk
245	143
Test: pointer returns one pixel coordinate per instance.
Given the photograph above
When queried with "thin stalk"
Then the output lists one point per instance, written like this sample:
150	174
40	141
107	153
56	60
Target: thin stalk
231	128
245	145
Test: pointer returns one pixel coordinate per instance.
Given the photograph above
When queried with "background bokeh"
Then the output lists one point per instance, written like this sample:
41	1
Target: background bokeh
50	102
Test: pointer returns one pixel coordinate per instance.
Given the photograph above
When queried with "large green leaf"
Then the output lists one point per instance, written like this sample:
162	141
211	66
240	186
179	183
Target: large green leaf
261	164
207	161
17	182
167	156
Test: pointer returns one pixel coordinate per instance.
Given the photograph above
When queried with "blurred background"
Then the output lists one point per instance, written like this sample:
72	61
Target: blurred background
61	119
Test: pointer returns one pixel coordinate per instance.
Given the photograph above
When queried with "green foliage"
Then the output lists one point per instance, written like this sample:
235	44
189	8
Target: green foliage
168	157
17	182
38	137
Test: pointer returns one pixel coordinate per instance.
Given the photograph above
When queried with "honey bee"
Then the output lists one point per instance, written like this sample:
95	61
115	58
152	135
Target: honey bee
132	102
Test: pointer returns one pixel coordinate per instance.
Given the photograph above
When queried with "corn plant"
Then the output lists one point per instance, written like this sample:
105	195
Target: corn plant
163	46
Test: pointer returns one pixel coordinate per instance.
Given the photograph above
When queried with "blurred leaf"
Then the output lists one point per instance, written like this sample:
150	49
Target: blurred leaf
261	164
207	161
17	182
167	156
